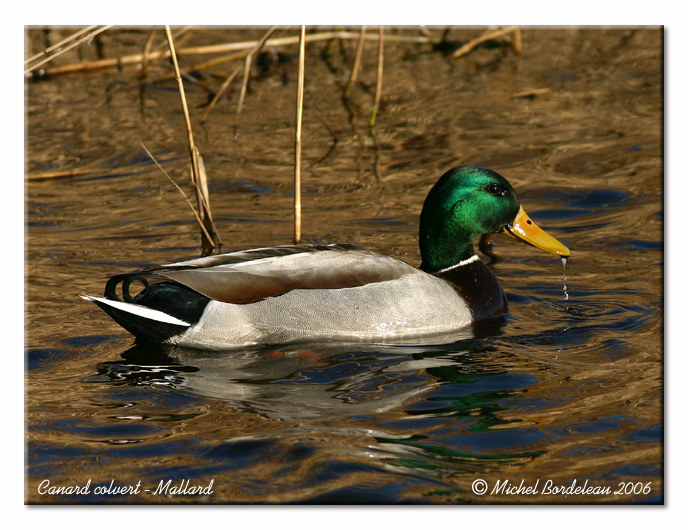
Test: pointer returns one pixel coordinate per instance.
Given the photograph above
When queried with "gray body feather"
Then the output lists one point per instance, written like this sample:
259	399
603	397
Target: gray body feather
294	293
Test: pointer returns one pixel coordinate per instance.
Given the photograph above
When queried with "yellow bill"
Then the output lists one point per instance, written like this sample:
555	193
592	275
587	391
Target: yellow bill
524	229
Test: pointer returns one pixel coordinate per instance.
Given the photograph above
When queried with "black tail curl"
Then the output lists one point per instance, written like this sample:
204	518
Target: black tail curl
160	293
146	279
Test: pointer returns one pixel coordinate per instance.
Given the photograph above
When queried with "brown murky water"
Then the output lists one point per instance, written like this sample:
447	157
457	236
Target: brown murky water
566	390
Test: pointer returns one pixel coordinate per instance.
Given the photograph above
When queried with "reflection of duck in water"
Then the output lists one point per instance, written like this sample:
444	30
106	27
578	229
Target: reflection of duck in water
344	380
291	293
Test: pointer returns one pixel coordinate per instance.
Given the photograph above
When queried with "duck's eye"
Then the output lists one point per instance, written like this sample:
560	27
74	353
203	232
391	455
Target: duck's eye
495	189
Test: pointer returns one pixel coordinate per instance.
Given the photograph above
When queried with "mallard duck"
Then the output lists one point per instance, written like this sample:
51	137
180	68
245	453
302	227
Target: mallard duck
339	292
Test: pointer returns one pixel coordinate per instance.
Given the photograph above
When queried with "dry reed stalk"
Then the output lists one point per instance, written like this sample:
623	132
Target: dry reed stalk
484	37
146	53
425	32
297	136
313	37
60	44
117	62
101	64
186	197
66	49
179	36
205	194
217	61
198	67
357	62
242	94
378	85
128	60
219	93
247	71
517	45
198	178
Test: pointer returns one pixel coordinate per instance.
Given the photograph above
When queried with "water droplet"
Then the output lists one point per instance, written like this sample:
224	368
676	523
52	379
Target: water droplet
563	278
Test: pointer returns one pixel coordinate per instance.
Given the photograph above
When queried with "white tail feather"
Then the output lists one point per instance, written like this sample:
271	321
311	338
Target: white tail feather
139	310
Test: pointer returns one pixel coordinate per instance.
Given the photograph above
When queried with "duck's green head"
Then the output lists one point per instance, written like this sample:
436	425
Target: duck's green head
467	202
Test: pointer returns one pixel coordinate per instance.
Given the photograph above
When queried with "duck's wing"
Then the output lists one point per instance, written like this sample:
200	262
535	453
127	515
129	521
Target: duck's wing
253	275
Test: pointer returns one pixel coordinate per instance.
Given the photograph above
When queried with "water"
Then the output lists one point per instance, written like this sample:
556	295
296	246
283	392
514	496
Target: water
565	393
